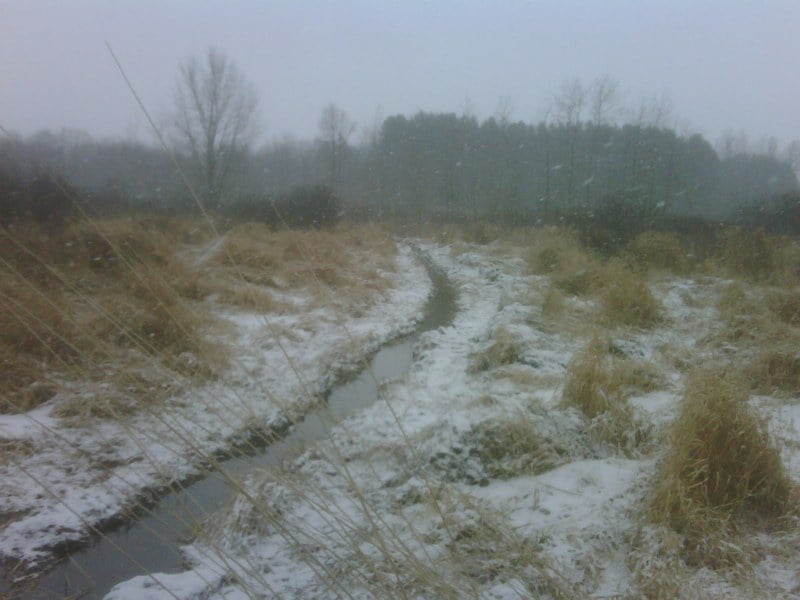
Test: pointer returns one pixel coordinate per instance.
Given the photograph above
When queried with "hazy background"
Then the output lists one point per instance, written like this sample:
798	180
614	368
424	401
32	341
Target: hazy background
725	65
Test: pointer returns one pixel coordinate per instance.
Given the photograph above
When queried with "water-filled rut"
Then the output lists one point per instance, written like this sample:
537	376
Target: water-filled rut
150	542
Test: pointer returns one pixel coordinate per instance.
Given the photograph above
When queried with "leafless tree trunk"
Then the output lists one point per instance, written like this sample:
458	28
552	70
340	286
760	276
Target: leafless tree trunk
335	130
604	95
215	116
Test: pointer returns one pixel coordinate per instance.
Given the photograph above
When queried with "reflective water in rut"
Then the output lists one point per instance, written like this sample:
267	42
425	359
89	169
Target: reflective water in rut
150	543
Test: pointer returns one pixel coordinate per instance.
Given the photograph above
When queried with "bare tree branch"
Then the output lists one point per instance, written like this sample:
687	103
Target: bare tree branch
215	116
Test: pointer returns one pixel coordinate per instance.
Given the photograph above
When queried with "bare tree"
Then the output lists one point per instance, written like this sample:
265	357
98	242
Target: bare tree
656	110
504	110
215	116
569	102
732	143
603	97
335	130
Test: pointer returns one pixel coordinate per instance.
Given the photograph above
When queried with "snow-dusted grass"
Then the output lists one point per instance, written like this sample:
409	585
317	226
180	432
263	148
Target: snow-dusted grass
68	465
525	453
476	476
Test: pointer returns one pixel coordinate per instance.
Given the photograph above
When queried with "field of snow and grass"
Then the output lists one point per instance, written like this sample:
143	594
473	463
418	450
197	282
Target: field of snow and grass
587	427
132	353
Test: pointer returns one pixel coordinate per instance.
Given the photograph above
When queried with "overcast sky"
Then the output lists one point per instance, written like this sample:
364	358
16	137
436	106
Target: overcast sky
729	64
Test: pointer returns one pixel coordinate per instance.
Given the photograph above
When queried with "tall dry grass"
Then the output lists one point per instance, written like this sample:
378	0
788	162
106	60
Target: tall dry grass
721	470
98	298
114	295
758	256
599	386
660	250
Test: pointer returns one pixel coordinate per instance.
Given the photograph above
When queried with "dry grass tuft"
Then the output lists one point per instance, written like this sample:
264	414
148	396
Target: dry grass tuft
557	250
657	250
775	370
505	349
626	298
721	470
553	305
759	256
355	261
513	446
785	304
599	388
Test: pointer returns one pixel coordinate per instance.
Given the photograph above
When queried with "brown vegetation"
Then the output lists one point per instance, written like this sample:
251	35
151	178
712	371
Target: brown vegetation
721	469
120	301
599	386
505	349
658	250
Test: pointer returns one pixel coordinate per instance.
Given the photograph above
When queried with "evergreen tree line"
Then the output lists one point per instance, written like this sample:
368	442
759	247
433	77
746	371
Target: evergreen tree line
442	167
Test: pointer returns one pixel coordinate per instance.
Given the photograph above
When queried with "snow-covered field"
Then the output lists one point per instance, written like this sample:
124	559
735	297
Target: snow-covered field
470	478
65	478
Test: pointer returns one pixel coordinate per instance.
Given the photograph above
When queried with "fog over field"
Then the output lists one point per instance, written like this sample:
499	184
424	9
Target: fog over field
724	65
356	299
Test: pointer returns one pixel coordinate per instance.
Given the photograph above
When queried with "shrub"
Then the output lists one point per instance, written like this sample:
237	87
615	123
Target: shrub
44	199
557	250
316	206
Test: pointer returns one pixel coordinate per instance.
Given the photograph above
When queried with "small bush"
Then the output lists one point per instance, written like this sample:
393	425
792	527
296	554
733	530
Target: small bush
721	467
309	207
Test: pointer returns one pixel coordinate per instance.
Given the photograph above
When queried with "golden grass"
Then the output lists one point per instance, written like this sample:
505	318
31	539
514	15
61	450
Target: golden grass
101	299
353	261
599	387
557	250
553	305
626	298
758	256
663	251
785	304
93	299
721	470
505	349
513	446
775	370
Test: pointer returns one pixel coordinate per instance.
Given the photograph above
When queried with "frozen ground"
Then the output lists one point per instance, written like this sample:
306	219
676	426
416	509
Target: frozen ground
66	477
467	478
412	498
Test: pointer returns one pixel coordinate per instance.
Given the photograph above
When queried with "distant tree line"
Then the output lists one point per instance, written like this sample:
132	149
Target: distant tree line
582	165
428	166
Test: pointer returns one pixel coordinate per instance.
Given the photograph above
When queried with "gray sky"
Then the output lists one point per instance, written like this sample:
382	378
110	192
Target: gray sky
730	64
